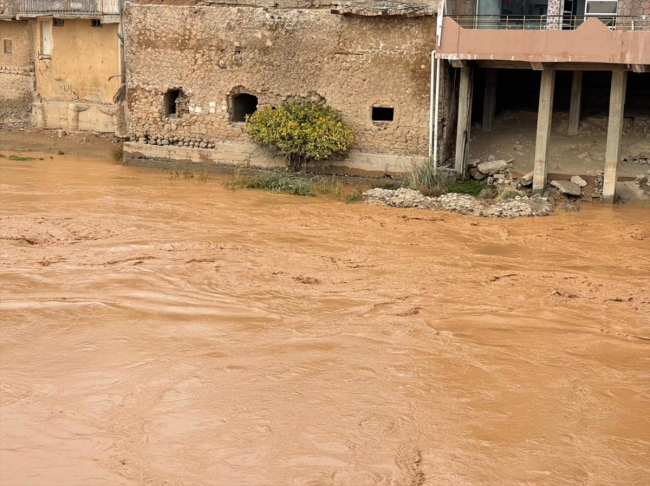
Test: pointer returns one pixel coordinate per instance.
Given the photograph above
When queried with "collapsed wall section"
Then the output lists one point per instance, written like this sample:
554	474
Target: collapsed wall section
375	70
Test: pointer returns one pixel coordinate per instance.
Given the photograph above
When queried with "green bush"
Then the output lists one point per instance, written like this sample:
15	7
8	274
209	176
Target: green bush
300	132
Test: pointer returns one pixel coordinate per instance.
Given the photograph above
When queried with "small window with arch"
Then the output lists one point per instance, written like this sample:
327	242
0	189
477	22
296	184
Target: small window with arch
243	104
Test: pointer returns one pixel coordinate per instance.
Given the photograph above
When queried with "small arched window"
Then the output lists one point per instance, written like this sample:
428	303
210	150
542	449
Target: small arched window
243	104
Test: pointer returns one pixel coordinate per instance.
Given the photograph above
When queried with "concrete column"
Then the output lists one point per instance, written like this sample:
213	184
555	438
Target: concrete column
576	102
464	119
544	116
40	115
614	133
73	117
490	99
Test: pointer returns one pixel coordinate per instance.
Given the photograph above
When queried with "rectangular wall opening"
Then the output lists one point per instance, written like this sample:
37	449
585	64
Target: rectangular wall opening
8	46
382	114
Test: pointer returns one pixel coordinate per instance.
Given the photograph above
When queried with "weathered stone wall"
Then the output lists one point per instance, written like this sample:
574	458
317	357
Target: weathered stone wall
16	70
634	7
351	62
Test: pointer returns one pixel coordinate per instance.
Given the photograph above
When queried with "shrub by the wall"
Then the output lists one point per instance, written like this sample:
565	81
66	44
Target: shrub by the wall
300	132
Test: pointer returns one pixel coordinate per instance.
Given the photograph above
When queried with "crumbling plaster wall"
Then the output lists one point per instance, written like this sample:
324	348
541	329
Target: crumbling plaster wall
352	62
73	87
16	70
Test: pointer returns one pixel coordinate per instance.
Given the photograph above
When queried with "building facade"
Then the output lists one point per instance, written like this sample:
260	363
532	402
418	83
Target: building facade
497	37
195	72
70	56
16	66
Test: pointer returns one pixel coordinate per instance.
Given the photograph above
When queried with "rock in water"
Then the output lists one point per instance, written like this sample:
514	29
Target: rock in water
567	188
492	166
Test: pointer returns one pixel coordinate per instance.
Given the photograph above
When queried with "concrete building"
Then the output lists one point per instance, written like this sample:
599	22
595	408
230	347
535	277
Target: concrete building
62	63
194	72
520	43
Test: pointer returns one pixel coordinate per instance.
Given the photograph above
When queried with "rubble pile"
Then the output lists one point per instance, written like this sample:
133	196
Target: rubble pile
492	171
461	203
641	159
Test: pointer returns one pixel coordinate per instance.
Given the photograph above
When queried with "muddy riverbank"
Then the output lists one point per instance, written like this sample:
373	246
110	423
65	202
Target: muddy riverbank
170	331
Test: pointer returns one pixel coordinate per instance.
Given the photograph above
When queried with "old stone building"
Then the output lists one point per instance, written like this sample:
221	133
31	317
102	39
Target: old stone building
195	71
62	63
16	66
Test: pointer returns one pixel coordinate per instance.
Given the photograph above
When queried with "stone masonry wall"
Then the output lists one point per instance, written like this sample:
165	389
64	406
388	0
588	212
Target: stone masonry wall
634	7
211	53
16	70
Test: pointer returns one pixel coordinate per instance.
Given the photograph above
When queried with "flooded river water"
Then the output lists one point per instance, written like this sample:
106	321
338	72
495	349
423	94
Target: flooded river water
171	332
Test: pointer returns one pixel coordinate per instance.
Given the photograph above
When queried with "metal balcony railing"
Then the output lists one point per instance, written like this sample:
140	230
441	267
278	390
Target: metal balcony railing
548	22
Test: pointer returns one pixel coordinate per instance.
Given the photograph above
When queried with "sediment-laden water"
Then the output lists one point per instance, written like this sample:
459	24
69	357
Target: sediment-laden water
171	332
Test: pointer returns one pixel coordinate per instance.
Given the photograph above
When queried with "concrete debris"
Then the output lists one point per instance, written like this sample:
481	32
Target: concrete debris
641	159
527	179
492	166
519	147
491	158
476	174
583	155
461	203
579	180
473	162
567	188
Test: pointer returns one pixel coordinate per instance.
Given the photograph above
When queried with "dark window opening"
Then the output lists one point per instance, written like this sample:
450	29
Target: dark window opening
175	103
96	23
382	114
8	45
57	22
243	105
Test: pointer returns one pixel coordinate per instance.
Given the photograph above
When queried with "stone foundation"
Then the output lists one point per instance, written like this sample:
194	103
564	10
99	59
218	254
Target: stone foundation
250	155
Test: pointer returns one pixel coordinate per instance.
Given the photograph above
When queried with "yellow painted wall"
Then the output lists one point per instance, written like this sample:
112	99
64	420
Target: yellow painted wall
82	60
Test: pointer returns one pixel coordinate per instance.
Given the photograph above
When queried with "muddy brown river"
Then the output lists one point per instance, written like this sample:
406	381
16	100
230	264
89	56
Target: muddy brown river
159	331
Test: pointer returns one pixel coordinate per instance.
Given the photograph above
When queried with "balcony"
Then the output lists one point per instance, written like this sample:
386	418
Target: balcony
547	39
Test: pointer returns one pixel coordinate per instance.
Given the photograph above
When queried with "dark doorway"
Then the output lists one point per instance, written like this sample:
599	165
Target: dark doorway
243	104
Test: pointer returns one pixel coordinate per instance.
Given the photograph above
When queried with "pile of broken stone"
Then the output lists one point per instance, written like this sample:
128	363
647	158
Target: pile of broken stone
461	203
497	172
